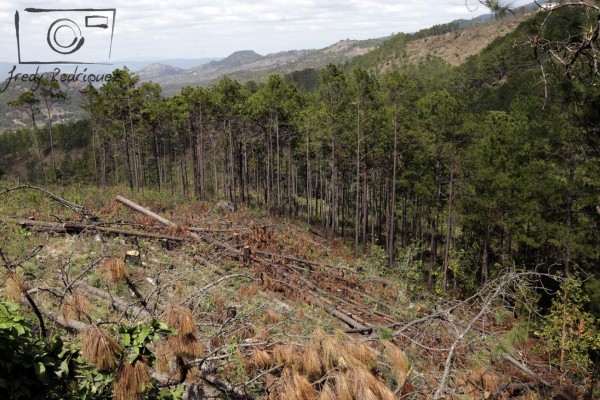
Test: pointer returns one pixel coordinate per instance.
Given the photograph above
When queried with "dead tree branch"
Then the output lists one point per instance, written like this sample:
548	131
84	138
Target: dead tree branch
497	289
76	227
81	210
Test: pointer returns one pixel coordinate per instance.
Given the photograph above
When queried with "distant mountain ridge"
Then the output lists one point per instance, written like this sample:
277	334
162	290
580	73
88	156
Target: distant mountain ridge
450	43
158	70
249	65
237	58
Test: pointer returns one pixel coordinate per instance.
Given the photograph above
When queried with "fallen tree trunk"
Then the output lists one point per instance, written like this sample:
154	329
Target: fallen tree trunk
76	227
69	324
225	387
525	369
145	211
352	323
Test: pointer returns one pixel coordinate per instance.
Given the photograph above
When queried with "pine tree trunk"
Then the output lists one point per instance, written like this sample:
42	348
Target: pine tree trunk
448	231
570	191
278	166
37	146
392	201
52	143
127	156
357	205
308	181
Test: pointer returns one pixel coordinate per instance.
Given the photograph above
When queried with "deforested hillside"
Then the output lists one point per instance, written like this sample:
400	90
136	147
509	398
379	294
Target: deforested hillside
450	42
423	231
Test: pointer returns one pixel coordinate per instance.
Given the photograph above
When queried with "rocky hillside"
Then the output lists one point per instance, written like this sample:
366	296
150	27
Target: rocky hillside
448	42
455	47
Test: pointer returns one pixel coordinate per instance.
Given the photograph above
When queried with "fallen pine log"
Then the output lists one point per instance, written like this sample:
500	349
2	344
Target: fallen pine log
217	230
351	322
145	211
69	324
77	227
526	370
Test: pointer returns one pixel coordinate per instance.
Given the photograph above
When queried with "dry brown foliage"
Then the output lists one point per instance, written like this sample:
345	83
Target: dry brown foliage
216	341
176	346
349	369
248	291
298	388
490	381
303	388
334	354
185	345
98	348
14	286
113	270
364	354
366	386
311	363
327	393
271	317
287	354
343	390
132	381
180	318
76	306
162	354
484	378
398	362
261	359
219	303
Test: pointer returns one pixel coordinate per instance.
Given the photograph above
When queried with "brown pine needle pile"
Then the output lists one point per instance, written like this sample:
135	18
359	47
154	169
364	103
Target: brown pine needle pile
14	287
180	318
271	317
76	306
398	362
339	368
132	381
261	359
183	344
100	349
113	270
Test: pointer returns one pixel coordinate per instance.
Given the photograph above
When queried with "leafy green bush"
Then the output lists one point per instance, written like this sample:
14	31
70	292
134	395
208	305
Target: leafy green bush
572	332
48	368
374	261
32	368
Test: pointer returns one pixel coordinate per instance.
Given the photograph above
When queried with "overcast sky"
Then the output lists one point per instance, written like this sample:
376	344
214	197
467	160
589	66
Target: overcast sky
153	29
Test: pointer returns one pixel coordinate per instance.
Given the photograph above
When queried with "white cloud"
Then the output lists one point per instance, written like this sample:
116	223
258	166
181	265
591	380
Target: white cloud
157	29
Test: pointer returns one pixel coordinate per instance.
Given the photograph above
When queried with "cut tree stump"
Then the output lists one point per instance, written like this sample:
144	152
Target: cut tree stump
132	257
246	254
